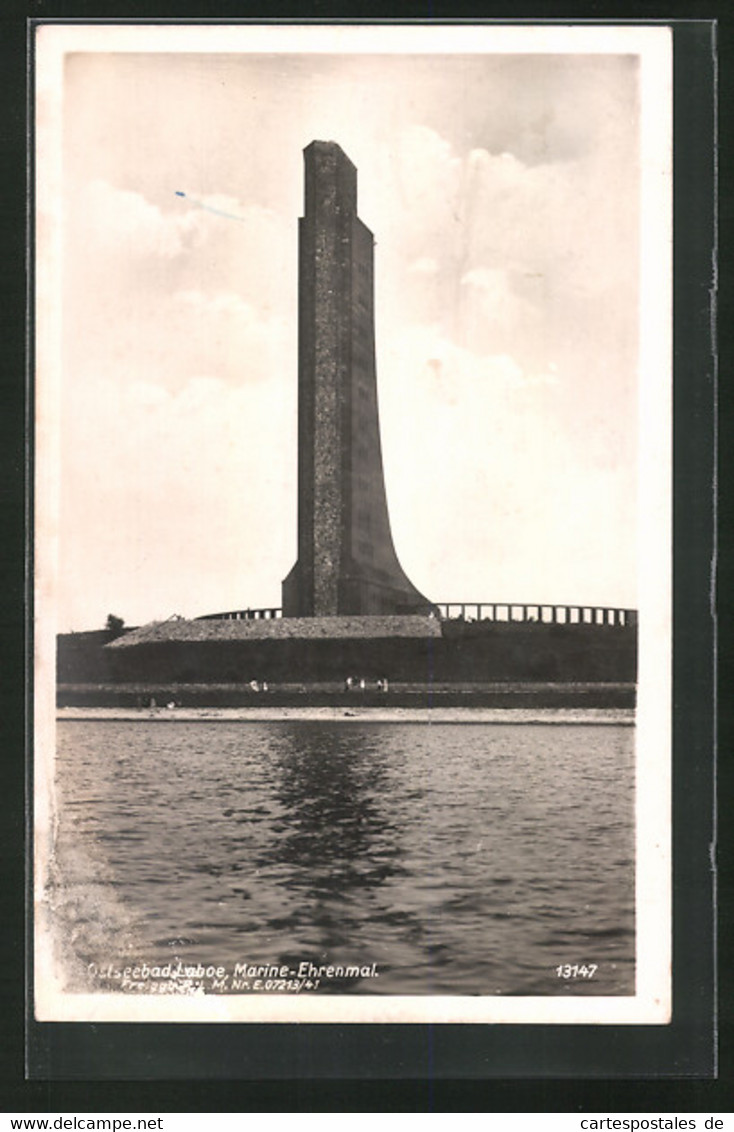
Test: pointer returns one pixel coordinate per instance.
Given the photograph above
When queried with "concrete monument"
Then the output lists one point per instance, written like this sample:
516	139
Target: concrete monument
346	559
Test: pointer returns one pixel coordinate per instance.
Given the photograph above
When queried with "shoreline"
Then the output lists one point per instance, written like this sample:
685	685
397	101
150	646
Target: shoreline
426	715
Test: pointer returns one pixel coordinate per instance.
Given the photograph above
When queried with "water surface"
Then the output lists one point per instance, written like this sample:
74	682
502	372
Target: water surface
470	859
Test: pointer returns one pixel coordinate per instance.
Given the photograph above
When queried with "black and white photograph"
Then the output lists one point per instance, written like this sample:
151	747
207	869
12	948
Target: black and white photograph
352	614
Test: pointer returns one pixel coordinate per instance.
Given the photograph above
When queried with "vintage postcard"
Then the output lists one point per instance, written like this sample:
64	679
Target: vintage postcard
352	535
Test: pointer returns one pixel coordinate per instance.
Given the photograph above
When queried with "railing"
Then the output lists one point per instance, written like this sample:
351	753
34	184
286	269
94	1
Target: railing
268	614
499	612
547	614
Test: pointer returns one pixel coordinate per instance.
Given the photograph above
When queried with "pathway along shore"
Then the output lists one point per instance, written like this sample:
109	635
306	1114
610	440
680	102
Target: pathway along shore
614	716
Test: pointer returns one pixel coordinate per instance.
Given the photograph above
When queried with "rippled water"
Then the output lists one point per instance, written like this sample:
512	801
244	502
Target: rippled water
460	858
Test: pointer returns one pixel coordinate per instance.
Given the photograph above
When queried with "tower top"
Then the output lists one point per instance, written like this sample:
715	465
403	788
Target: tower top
330	179
328	148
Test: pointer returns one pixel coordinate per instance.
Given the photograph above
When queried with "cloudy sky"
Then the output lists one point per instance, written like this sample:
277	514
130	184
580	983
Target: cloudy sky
503	192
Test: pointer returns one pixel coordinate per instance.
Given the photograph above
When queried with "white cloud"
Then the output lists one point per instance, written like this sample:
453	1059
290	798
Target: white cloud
426	265
227	303
468	462
147	395
225	336
120	219
172	294
189	504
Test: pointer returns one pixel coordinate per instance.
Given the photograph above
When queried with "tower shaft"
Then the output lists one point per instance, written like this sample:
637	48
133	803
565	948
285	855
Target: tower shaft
346	559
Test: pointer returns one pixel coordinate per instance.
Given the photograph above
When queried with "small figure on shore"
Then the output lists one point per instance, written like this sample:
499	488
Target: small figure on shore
171	705
349	683
382	685
362	684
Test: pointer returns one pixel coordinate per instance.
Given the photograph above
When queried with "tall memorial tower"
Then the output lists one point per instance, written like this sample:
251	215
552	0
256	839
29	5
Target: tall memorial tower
346	559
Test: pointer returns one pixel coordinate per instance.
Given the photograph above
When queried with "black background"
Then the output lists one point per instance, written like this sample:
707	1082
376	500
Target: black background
173	1068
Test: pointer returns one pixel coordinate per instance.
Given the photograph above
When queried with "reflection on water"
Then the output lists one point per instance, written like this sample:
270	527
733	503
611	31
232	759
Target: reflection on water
461	859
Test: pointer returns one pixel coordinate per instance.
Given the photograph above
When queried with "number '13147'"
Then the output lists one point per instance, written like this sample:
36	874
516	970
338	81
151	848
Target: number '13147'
577	970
